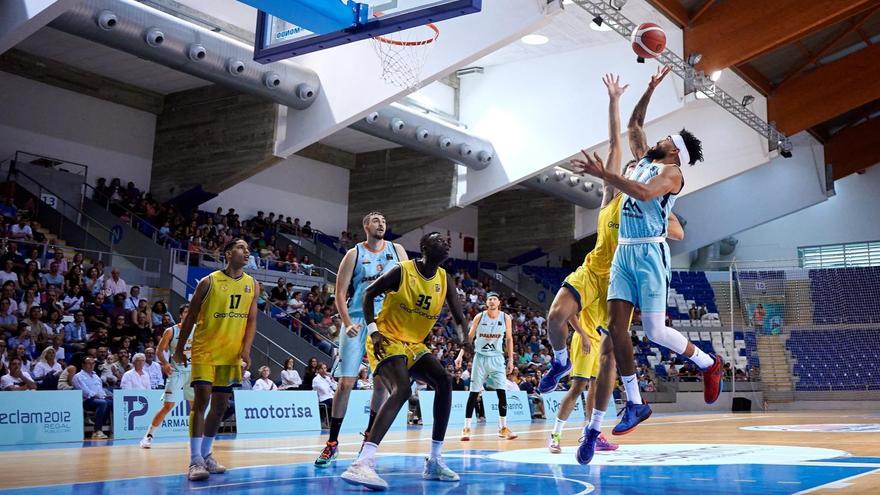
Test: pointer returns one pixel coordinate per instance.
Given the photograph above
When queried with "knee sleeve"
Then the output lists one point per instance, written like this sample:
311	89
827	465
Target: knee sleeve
657	332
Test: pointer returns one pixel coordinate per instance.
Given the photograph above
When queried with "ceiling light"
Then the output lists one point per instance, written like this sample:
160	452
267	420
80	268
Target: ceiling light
598	24
617	4
694	58
747	100
534	39
715	76
702	96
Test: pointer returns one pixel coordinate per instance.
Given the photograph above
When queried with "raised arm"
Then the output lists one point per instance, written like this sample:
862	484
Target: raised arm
675	229
638	142
612	165
508	331
343	281
669	180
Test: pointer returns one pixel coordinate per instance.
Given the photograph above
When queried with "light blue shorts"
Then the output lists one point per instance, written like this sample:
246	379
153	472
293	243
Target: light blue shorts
640	274
351	351
488	372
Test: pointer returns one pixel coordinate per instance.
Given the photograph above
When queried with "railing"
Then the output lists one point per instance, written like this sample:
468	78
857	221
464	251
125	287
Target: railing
53	163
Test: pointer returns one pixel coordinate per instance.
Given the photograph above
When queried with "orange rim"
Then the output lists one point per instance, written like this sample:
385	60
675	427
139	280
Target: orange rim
390	41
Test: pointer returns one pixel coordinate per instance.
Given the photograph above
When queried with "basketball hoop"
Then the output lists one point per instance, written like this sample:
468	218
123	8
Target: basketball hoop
403	54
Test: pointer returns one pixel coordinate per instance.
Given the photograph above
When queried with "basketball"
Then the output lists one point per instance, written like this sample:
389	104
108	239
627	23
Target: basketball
648	40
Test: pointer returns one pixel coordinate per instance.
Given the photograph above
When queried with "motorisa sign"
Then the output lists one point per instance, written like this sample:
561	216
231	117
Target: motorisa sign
357	414
273	411
133	411
31	417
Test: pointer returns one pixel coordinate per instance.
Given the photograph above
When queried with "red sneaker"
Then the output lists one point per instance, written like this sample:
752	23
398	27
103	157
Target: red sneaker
712	381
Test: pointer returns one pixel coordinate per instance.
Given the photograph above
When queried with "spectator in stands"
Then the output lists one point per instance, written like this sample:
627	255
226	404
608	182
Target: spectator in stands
136	378
58	345
96	315
21	229
12	253
458	382
53	321
310	372
134	297
364	381
94	396
278	296
8	273
51	300
290	379
118	367
65	380
306	265
17	379
153	368
30	276
75	332
694	313
141	328
307	229
755	373
325	386
93	281
58	257
296	306
118	331
8	322
161	309
73	300
54	277
645	345
672	372
758	317
8	209
703	310
115	285
263	382
117	309
28	300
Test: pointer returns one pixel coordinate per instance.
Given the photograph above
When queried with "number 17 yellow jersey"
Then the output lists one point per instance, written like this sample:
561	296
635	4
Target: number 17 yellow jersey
222	320
409	313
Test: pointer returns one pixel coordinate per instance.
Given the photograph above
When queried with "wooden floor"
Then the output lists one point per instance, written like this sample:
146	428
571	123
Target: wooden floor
124	460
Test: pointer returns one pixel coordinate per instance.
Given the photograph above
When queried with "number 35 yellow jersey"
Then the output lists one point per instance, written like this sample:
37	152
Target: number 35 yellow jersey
409	313
223	319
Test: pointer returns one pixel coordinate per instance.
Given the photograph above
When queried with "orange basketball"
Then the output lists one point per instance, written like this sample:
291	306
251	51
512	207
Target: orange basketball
648	40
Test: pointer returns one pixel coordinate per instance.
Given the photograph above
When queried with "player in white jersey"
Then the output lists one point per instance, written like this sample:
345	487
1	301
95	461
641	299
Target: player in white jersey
360	267
178	376
488	331
640	271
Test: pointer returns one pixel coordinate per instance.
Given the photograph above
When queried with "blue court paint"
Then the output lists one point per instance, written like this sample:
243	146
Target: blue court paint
485	475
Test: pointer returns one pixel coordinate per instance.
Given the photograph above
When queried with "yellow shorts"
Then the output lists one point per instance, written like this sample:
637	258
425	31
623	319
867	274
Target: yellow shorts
220	376
591	292
394	348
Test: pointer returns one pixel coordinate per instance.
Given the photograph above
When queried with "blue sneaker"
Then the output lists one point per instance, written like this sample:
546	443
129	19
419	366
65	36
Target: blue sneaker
551	378
588	447
633	414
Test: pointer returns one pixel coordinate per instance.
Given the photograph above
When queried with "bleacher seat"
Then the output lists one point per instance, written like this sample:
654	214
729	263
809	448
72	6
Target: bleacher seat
819	367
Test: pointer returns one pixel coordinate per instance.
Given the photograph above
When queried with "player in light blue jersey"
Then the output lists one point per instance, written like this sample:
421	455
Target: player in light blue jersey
488	331
640	271
360	266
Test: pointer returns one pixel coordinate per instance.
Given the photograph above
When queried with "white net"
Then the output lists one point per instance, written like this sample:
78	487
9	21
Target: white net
403	54
817	330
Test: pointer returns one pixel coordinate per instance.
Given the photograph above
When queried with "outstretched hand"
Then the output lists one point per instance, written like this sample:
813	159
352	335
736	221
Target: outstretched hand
658	76
593	165
612	82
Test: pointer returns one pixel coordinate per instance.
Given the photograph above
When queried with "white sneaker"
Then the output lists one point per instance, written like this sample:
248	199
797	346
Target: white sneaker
197	471
363	473
436	469
99	435
465	434
146	442
213	466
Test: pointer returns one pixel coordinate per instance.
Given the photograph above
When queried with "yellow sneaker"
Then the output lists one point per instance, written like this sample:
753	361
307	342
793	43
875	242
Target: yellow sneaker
506	434
465	434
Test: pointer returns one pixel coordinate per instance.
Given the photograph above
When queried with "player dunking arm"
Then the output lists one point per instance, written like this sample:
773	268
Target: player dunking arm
361	265
224	307
178	376
489	328
415	291
641	268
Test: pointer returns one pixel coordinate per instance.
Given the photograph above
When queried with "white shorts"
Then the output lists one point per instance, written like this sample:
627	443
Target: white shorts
178	382
488	371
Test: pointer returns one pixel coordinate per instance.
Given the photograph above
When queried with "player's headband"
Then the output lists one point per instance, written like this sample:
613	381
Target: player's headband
683	154
491	294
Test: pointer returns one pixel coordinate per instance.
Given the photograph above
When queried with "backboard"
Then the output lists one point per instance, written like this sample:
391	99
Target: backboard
282	32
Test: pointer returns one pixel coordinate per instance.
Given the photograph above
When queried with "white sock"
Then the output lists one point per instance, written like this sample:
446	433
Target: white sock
436	449
560	424
502	421
368	452
151	430
207	445
195	449
467	422
596	420
631	385
701	359
561	356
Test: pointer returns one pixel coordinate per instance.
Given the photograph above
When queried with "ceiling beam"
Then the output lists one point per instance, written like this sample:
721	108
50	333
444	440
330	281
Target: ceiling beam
854	24
674	10
735	32
702	10
328	154
754	77
854	149
826	92
71	78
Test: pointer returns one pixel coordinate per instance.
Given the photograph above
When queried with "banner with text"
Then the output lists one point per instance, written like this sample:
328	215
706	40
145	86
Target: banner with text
50	416
456	416
133	411
357	414
517	406
271	411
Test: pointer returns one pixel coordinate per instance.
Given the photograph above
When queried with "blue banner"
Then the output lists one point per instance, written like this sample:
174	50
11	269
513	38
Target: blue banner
456	416
133	411
517	407
50	416
272	411
357	415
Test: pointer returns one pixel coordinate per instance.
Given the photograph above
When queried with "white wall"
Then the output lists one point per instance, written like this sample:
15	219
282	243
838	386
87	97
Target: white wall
112	140
849	216
462	223
297	187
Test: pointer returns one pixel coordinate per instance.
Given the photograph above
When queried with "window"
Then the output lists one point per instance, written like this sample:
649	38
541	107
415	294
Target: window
840	255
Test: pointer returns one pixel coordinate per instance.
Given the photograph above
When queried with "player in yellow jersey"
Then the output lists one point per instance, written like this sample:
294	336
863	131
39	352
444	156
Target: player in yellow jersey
224	307
415	291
